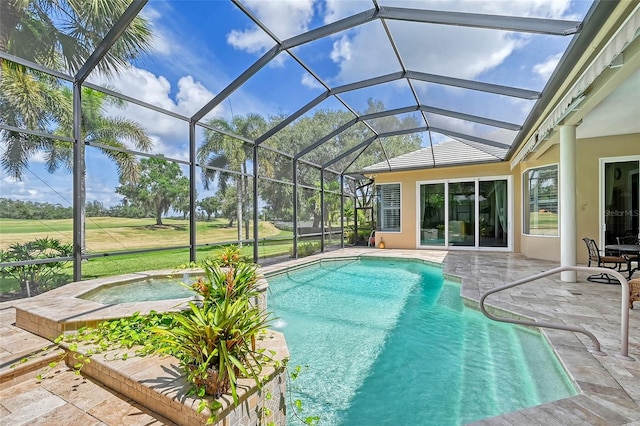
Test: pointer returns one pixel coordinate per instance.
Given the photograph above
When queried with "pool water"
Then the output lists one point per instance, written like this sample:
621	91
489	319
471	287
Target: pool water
391	343
163	288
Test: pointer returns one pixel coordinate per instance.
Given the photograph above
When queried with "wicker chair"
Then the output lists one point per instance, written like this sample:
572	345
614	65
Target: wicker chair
634	291
610	262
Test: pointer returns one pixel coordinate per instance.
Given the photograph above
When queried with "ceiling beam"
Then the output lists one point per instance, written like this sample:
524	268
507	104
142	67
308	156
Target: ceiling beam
475	20
469	117
474	85
454	134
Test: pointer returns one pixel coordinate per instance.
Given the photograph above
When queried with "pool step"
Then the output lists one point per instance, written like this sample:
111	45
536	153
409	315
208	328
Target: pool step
477	363
450	297
512	375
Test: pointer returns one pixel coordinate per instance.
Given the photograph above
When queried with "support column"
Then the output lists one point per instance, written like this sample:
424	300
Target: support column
567	201
79	184
193	171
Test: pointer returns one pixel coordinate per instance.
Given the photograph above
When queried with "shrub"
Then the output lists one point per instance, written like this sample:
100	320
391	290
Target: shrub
35	278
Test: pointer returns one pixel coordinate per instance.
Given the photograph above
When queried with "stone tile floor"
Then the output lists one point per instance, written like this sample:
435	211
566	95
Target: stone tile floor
610	386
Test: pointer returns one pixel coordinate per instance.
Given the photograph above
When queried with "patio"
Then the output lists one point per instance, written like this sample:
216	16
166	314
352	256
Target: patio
610	390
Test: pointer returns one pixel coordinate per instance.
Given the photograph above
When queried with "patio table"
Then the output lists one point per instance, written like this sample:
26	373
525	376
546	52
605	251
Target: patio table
627	249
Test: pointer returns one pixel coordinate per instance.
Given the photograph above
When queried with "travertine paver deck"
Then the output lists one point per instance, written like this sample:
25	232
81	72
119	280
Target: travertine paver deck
610	386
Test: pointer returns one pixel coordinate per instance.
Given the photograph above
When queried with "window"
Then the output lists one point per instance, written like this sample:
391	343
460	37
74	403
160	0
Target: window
388	207
540	200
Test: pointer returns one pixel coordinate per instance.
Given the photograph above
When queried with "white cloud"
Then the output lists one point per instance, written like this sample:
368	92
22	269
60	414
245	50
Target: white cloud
285	18
341	50
309	81
545	68
169	135
340	9
39	185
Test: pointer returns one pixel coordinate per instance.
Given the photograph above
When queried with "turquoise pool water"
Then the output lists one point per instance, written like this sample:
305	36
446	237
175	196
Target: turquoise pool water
390	343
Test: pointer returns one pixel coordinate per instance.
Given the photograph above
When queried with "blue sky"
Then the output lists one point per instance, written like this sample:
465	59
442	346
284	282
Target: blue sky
201	46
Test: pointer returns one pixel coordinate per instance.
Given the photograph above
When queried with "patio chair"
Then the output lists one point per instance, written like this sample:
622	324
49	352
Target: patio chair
610	262
633	240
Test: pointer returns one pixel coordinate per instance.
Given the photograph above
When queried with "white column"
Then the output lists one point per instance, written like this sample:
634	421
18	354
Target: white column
567	201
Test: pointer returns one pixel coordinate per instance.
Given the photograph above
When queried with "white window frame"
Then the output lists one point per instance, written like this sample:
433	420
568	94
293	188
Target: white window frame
525	199
379	225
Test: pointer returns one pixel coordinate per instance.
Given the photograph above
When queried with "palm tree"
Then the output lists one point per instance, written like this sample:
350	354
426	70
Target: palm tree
225	152
62	34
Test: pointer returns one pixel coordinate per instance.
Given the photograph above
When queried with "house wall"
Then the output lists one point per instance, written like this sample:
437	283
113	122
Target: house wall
407	237
588	154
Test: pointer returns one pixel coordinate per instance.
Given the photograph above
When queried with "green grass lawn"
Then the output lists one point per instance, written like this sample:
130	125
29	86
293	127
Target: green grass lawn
120	234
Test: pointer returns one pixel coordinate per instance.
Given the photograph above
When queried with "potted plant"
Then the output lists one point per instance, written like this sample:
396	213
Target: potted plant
215	339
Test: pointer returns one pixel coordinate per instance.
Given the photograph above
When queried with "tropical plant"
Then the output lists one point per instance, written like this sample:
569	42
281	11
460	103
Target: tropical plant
215	341
235	282
33	278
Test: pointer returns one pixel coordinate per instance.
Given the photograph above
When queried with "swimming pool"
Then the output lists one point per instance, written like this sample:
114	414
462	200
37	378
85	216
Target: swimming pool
390	342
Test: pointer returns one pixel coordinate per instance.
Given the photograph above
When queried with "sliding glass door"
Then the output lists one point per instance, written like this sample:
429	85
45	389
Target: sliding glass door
462	214
471	213
432	214
493	216
621	194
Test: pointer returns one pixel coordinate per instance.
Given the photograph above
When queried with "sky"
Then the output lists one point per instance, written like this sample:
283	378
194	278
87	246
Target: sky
200	47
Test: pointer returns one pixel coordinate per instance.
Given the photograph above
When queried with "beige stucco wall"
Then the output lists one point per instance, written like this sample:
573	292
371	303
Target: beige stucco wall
588	154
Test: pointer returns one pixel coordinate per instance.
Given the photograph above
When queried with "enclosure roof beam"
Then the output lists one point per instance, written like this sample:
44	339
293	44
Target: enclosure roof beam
388	112
109	40
290	119
474	85
330	29
469	117
596	18
367	83
476	20
235	84
326	138
403	132
365	143
34	66
459	135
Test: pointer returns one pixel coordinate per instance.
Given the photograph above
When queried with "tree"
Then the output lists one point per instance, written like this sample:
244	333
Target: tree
62	34
220	151
96	209
35	100
160	184
210	205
